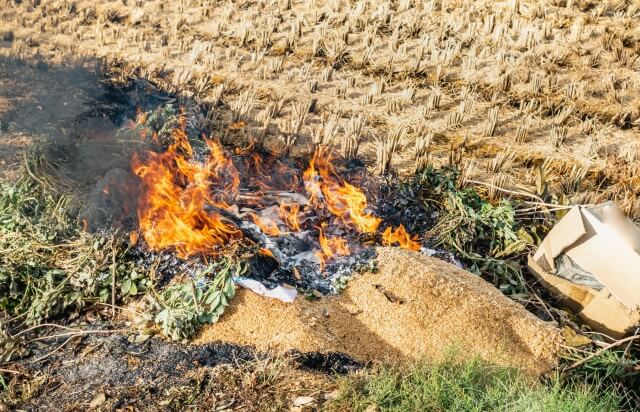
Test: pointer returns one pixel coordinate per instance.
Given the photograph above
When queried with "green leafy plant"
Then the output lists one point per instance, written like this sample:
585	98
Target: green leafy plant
486	236
181	308
48	265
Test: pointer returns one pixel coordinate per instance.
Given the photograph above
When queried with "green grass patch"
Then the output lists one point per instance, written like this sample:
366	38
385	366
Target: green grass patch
465	386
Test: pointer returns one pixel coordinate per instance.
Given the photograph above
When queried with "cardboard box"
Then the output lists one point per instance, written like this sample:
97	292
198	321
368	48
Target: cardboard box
605	243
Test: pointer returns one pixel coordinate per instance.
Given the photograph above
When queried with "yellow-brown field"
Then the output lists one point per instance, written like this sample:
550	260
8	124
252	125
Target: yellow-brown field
515	93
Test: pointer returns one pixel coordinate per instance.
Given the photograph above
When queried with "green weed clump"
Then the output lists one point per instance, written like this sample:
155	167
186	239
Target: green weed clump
465	386
616	370
48	265
486	236
51	268
182	307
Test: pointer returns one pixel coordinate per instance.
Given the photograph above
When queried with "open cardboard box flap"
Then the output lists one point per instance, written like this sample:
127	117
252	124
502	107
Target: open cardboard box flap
564	234
605	243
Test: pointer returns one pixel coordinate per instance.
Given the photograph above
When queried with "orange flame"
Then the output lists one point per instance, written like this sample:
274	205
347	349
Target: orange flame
237	125
289	214
267	227
176	190
330	247
180	195
141	120
343	200
401	237
266	252
133	238
141	116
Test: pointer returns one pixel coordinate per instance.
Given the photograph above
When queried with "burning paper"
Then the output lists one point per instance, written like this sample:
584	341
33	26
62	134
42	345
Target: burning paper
201	202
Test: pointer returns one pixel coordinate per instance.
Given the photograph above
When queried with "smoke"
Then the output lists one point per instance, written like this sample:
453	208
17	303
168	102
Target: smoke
46	100
75	118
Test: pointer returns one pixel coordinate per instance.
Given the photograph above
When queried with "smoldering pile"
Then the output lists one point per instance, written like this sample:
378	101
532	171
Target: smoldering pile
294	221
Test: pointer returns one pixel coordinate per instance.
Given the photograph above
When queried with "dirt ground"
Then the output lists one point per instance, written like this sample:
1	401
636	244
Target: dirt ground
110	373
12	144
11	149
38	102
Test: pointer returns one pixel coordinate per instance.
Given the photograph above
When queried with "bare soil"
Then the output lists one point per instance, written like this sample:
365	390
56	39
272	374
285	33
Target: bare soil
39	102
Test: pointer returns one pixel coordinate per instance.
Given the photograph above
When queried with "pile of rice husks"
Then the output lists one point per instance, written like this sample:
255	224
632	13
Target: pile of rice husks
413	307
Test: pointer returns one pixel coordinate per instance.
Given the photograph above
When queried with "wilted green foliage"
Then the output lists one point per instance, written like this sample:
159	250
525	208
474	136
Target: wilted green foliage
160	121
485	235
48	265
182	307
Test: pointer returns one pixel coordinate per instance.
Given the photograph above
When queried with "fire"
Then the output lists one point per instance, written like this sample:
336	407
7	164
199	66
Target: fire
238	125
141	117
188	204
270	228
289	215
266	252
401	237
172	209
343	200
330	247
140	121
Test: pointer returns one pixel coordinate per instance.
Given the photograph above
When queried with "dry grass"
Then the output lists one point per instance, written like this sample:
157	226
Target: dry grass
537	78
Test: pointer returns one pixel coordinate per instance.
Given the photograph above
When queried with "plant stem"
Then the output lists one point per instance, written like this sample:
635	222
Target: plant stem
606	348
113	281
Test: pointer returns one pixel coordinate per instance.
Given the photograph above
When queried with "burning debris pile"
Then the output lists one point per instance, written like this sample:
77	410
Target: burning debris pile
150	212
176	221
304	223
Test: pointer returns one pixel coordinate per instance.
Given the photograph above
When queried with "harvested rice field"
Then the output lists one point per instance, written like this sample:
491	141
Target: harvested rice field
308	205
507	91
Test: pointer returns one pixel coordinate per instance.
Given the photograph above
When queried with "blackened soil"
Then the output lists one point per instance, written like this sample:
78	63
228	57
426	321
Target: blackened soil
111	365
332	362
155	374
129	373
